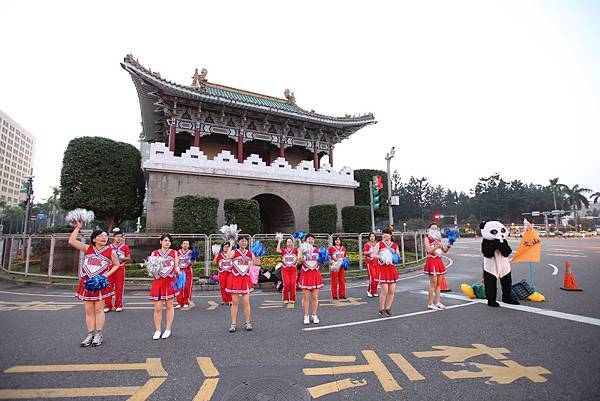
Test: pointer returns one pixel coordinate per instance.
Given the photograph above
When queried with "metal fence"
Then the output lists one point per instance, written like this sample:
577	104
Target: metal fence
51	256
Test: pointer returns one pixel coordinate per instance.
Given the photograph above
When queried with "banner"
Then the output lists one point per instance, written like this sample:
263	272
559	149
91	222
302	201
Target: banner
530	247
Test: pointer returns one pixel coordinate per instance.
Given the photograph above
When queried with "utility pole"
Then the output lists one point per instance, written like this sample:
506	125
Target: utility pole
389	157
372	206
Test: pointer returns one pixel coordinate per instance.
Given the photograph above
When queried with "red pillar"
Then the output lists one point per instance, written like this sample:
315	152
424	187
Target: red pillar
197	138
172	139
282	150
316	158
240	148
331	155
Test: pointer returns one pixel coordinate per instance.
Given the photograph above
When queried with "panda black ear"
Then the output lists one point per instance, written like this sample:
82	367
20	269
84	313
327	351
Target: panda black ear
482	225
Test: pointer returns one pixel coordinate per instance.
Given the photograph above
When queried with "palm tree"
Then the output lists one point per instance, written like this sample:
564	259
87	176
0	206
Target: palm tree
595	196
576	198
54	201
556	187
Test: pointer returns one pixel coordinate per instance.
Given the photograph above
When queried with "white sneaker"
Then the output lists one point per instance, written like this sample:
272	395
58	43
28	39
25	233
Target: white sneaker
166	334
369	294
156	335
315	319
440	305
177	306
106	310
285	302
306	319
186	306
433	307
376	295
119	310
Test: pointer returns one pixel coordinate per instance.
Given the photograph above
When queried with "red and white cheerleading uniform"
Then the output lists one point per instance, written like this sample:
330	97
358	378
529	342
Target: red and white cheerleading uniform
240	281
224	276
434	265
387	273
185	265
336	271
117	279
310	276
289	273
96	261
372	267
161	288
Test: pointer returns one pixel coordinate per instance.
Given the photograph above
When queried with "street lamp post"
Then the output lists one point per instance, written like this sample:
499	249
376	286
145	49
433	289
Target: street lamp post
389	157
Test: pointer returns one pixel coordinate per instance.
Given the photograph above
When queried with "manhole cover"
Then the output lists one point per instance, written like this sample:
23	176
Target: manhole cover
268	389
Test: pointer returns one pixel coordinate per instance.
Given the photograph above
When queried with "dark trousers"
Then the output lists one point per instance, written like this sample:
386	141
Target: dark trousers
489	280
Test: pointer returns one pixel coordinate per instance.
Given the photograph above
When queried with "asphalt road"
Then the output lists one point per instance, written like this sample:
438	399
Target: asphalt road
524	354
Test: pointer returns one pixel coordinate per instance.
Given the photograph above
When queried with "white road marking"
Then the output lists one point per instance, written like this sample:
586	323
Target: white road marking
530	309
469	255
555	272
381	319
566	255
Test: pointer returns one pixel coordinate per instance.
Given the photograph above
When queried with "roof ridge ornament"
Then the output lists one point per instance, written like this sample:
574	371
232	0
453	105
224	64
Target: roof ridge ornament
289	95
199	79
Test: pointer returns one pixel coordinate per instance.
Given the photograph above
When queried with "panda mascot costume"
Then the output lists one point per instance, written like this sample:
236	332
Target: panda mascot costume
495	251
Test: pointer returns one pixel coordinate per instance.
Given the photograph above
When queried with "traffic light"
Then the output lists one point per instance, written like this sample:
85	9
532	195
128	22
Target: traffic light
377	185
437	217
25	193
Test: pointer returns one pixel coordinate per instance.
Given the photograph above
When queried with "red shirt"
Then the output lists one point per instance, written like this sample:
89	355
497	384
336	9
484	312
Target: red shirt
289	258
168	257
432	242
122	252
223	262
96	261
241	262
367	251
392	247
185	261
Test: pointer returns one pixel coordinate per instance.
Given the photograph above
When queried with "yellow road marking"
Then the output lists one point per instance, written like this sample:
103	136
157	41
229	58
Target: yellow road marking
329	358
406	367
374	365
461	354
137	393
207	367
206	390
334	387
506	374
152	365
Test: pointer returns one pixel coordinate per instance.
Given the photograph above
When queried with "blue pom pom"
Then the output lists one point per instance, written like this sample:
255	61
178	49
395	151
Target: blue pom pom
180	282
299	235
395	258
195	255
258	249
452	235
323	255
96	283
346	263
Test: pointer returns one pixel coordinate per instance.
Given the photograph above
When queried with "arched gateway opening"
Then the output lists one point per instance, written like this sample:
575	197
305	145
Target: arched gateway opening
276	215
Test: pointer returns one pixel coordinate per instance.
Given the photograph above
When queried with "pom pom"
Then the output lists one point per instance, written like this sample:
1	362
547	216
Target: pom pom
395	258
323	255
96	283
278	265
153	265
180	282
230	232
386	256
306	248
299	235
216	248
120	255
214	278
279	236
254	272
452	236
195	255
346	263
467	290
80	215
258	249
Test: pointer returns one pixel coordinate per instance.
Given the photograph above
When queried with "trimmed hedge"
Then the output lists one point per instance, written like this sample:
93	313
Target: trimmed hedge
356	219
245	213
322	218
361	194
194	214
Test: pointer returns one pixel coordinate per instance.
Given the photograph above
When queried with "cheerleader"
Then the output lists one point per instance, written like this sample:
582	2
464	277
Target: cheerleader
185	265
372	265
161	289
388	275
434	266
99	258
310	278
240	283
117	280
337	253
289	269
224	264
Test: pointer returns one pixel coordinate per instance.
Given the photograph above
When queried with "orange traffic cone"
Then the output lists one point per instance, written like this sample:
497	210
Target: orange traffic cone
570	284
443	286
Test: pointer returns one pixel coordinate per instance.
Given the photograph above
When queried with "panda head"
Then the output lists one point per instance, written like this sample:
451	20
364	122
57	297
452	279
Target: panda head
492	230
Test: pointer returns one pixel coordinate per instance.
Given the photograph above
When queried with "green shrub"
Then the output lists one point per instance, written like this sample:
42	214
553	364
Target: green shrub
245	213
356	219
322	218
195	214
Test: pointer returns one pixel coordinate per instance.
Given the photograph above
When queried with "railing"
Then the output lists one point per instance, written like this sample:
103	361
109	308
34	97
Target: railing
51	257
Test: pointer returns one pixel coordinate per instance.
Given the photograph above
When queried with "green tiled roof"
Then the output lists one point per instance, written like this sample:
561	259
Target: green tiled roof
242	97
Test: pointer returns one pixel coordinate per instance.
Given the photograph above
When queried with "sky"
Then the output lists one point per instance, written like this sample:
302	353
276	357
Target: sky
462	89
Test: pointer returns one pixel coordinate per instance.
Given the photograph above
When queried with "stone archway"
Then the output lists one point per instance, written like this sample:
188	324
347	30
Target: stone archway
276	215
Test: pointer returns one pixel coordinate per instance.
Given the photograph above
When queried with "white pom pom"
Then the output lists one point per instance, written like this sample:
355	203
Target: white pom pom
230	232
306	248
216	248
153	265
386	256
279	236
80	215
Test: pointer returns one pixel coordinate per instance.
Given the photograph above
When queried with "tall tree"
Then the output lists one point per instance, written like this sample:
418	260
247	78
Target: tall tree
595	197
576	199
104	176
